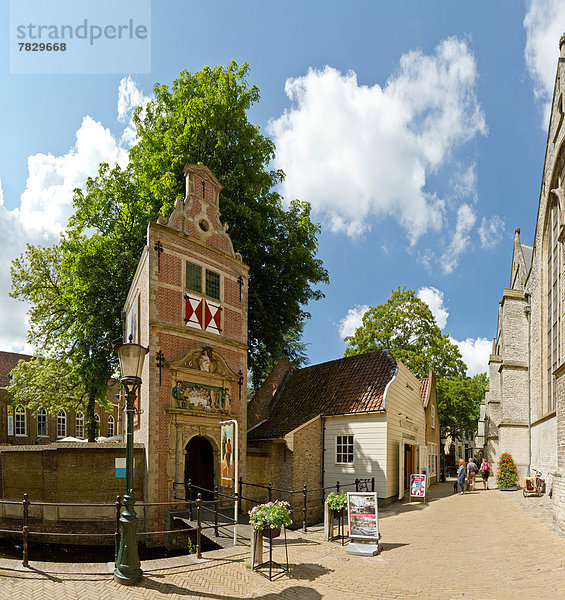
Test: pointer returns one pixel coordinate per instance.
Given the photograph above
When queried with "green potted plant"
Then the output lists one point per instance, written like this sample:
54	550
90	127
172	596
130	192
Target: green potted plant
336	502
270	517
507	474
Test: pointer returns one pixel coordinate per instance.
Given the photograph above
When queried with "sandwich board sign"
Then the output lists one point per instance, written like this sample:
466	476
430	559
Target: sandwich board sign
363	523
418	486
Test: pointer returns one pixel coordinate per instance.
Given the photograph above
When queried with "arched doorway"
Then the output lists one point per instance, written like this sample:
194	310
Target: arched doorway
199	466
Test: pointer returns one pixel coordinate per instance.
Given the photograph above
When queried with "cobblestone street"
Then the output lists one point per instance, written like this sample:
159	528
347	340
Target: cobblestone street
482	545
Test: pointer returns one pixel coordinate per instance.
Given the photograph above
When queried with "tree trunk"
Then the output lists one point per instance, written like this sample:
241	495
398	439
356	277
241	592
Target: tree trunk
90	420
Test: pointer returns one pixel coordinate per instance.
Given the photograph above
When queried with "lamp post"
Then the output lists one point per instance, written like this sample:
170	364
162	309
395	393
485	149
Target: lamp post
128	568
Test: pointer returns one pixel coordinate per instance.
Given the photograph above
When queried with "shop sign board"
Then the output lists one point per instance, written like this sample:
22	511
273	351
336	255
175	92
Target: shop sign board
418	486
363	516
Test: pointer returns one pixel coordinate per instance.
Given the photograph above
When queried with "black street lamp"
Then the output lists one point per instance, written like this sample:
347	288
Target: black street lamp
128	568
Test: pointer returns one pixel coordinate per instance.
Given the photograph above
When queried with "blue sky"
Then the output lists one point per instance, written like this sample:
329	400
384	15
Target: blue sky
416	130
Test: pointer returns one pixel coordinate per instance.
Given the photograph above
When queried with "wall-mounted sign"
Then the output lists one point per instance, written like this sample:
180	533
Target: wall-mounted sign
10	411
363	516
120	468
196	396
418	486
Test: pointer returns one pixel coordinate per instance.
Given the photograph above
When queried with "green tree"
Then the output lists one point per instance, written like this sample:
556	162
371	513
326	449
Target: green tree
74	314
202	118
458	402
405	326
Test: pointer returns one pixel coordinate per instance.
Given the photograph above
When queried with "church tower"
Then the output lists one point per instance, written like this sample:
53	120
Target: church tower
188	304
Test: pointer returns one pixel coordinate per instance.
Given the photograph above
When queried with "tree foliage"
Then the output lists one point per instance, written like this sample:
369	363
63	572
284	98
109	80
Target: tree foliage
405	326
76	289
458	401
202	118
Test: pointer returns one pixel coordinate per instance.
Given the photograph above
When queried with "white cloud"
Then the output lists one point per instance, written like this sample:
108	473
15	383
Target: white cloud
44	209
475	354
544	23
130	96
352	321
491	231
466	219
434	299
358	153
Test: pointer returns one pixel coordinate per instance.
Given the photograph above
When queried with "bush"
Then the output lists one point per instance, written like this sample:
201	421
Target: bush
507	475
337	502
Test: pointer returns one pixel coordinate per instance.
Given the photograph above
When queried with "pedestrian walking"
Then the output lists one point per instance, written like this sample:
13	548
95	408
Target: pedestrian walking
485	472
471	474
461	475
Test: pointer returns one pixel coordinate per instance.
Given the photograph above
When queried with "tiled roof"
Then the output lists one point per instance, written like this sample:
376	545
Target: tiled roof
347	385
8	360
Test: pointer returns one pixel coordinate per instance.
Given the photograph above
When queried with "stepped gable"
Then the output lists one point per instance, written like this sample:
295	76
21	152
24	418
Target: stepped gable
347	385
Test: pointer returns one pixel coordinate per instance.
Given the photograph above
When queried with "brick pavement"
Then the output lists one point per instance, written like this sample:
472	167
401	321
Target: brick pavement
480	546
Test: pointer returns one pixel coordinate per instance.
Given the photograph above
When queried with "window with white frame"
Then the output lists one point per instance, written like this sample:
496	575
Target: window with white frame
432	460
20	421
42	422
79	431
110	426
97	419
344	450
61	424
433	416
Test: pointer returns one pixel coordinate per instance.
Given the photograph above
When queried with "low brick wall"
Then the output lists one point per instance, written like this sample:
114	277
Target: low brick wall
66	473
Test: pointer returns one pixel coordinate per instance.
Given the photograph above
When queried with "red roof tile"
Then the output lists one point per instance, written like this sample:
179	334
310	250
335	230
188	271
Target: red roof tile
347	385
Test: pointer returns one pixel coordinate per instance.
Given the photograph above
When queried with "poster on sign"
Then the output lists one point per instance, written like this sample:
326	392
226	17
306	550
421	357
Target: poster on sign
417	486
363	516
228	454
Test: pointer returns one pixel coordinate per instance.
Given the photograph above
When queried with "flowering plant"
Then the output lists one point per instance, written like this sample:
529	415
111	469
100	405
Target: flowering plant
507	475
337	502
271	515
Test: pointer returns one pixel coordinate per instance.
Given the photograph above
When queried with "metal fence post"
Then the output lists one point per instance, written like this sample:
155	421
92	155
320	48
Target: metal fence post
372	484
199	528
270	491
304	492
190	498
118	528
216	511
25	530
337	486
357	484
240	484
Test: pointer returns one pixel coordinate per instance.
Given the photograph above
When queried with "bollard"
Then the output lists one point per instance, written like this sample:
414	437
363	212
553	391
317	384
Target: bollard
190	498
199	529
240	484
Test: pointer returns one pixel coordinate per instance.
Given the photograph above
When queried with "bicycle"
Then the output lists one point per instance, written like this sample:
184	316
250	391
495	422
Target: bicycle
534	486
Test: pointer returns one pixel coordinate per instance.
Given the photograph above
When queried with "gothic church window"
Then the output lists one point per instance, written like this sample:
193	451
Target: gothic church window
61	424
79	431
110	426
20	421
553	302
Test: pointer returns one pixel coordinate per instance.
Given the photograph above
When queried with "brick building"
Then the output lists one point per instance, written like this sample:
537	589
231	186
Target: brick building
20	426
524	408
188	304
360	417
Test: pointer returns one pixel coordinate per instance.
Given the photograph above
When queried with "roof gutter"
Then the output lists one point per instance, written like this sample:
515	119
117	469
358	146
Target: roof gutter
394	372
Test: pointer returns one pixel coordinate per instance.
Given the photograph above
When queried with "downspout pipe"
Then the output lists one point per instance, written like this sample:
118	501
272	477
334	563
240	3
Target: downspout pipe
394	372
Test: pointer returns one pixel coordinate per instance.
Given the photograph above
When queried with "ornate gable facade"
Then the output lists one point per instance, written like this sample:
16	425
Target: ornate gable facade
188	304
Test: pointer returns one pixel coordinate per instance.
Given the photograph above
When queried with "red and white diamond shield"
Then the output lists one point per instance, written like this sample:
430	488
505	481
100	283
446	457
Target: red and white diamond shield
212	317
194	306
